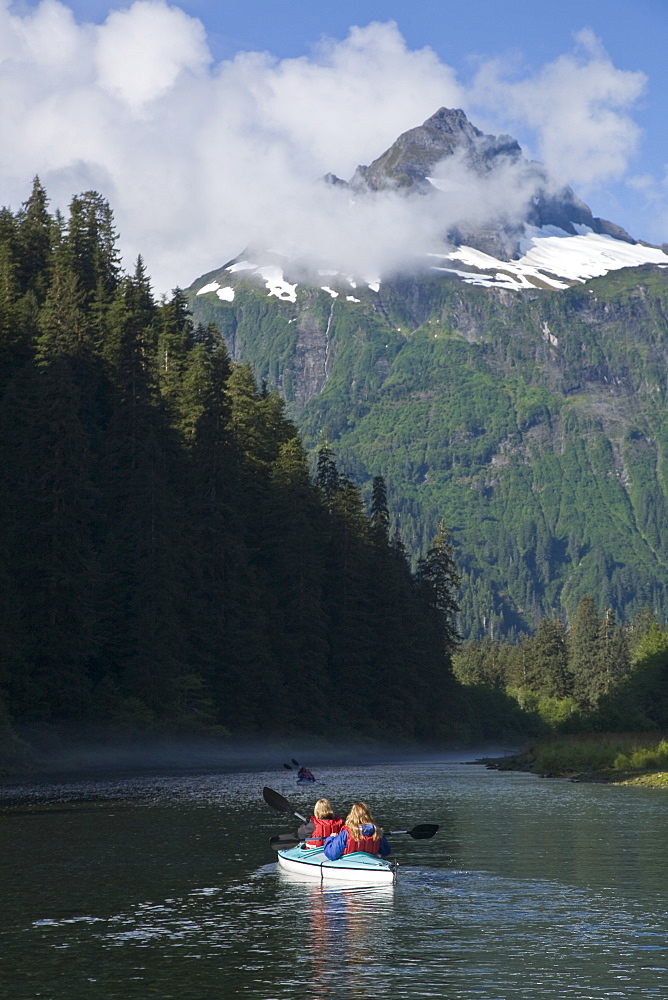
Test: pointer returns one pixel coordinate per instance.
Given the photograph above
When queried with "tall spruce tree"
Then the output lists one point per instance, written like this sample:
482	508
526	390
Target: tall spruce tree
438	582
584	653
89	246
380	514
34	232
549	660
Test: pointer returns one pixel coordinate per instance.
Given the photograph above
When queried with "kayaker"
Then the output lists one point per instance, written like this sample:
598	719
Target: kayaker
359	833
323	823
303	774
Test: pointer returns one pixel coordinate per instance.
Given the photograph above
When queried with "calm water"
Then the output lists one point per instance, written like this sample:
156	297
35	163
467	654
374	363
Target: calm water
166	887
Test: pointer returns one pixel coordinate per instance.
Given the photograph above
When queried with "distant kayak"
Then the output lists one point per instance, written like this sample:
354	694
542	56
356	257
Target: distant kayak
306	781
357	867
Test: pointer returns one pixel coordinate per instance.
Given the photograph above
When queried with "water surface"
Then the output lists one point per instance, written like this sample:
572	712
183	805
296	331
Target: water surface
166	887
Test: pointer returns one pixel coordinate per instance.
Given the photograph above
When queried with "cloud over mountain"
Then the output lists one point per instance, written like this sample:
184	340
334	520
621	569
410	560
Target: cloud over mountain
198	159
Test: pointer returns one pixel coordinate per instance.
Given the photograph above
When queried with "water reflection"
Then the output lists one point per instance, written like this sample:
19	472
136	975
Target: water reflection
345	924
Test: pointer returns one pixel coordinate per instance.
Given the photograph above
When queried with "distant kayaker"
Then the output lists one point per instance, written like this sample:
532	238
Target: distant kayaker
359	833
323	823
303	774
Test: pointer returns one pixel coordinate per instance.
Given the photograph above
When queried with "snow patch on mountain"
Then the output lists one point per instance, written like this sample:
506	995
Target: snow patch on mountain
551	258
276	283
225	294
588	255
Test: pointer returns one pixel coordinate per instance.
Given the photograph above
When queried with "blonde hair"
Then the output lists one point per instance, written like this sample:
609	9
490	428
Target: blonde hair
323	809
360	816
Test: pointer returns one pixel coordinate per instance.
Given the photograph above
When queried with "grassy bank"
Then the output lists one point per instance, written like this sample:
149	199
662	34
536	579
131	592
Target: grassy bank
629	758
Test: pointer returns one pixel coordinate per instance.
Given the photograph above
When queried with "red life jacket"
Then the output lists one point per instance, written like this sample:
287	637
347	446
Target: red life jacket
323	828
366	844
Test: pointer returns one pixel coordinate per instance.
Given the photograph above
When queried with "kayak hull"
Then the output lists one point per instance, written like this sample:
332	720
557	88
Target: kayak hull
367	869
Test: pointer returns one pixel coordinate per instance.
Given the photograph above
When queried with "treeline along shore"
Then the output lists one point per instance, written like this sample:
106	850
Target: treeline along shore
169	563
598	690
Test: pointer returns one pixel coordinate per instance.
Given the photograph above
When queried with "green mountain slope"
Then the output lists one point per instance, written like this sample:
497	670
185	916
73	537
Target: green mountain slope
534	423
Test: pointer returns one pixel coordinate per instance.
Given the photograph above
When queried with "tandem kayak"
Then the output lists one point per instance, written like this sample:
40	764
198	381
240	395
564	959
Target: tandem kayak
357	867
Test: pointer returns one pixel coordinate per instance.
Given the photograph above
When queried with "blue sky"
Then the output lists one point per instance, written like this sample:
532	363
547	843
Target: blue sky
592	104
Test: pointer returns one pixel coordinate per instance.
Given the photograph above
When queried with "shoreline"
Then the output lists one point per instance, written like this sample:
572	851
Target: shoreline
650	778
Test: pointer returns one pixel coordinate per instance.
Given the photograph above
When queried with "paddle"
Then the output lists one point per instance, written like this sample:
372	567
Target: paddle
284	841
423	831
279	803
287	767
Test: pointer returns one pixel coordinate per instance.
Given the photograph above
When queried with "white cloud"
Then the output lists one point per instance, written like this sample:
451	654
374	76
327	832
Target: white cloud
578	106
141	52
199	160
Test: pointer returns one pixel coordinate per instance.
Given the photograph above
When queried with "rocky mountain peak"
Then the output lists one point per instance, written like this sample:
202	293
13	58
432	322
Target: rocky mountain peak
410	159
410	162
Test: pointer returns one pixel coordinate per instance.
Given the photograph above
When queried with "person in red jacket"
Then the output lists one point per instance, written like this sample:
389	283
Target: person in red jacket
360	833
323	823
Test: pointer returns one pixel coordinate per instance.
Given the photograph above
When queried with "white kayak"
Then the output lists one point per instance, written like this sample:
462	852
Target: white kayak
357	867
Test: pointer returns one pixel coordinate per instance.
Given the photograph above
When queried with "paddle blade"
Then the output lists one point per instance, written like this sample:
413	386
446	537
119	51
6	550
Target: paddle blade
275	800
423	831
287	767
295	762
284	841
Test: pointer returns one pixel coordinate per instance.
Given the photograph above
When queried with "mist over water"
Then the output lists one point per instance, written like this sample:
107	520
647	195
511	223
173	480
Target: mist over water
165	886
75	754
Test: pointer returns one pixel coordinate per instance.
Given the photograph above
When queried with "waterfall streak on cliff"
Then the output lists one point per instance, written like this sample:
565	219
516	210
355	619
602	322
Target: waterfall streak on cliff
329	323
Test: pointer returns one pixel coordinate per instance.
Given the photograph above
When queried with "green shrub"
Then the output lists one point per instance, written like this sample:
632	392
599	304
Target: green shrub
644	758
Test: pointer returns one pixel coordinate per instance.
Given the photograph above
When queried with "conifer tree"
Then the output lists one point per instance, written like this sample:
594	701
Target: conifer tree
64	326
584	653
174	342
89	246
639	627
327	475
438	582
380	515
34	231
549	656
619	663
246	420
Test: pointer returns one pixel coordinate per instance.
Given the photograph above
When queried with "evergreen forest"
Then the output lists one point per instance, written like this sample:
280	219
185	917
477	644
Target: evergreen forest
169	562
593	675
